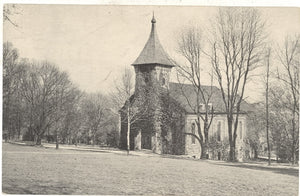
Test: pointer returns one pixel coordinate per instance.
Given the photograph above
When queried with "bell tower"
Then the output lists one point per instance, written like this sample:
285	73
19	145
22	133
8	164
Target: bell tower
152	69
153	65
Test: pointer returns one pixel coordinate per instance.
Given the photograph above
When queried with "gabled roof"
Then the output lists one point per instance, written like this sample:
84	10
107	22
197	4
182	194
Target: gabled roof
186	96
153	52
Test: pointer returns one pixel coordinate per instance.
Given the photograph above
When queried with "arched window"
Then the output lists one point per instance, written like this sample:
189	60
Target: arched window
241	129
202	107
209	107
193	132
219	131
163	81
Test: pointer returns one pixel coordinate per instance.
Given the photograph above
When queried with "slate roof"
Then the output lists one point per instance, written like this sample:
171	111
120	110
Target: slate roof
153	52
189	103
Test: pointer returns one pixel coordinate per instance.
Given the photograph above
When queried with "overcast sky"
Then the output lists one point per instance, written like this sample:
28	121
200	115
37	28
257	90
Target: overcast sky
94	43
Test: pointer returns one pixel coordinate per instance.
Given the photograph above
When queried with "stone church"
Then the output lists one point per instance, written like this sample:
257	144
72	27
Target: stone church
164	116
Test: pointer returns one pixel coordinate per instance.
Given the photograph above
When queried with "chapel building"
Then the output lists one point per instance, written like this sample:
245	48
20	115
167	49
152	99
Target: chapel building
165	115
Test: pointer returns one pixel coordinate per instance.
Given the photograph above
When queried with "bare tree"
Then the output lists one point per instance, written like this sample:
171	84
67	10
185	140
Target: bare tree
190	47
77	122
12	101
95	109
10	57
280	112
289	57
73	118
132	108
67	99
46	91
267	103
255	128
238	39
8	11
124	91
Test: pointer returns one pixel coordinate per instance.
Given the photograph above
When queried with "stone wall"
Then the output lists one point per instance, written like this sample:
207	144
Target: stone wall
161	117
173	123
138	129
218	149
191	149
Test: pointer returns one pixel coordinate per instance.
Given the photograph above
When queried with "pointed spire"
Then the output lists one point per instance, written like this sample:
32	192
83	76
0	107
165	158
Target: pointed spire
153	19
153	52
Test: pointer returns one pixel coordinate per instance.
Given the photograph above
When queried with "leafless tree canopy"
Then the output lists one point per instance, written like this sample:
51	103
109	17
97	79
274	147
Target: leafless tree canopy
11	96
47	92
41	102
124	88
122	98
95	109
239	40
190	46
8	11
289	57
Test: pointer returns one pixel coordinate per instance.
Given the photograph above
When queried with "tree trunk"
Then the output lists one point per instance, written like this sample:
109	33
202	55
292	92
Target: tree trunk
19	126
57	145
232	151
200	139
231	140
255	154
8	118
76	140
19	133
267	109
293	137
205	145
94	138
128	130
38	139
203	151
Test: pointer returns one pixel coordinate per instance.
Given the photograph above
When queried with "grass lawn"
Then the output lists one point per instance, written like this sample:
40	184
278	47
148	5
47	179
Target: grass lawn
36	170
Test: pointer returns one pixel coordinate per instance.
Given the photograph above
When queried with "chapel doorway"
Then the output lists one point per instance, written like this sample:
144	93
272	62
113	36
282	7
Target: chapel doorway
146	141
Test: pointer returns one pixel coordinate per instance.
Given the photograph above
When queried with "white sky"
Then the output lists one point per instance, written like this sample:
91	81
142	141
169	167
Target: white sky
94	43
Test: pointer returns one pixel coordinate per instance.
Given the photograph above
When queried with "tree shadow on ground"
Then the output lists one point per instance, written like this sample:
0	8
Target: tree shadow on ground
286	171
15	190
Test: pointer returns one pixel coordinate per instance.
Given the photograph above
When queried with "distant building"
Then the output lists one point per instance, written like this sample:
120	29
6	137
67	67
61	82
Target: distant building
168	114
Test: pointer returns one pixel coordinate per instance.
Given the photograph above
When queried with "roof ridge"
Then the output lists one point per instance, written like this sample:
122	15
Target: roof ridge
192	84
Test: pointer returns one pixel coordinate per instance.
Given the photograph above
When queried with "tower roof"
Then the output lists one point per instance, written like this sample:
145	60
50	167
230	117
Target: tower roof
153	52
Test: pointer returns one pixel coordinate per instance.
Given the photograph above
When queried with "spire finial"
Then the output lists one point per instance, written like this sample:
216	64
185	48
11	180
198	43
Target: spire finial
153	19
